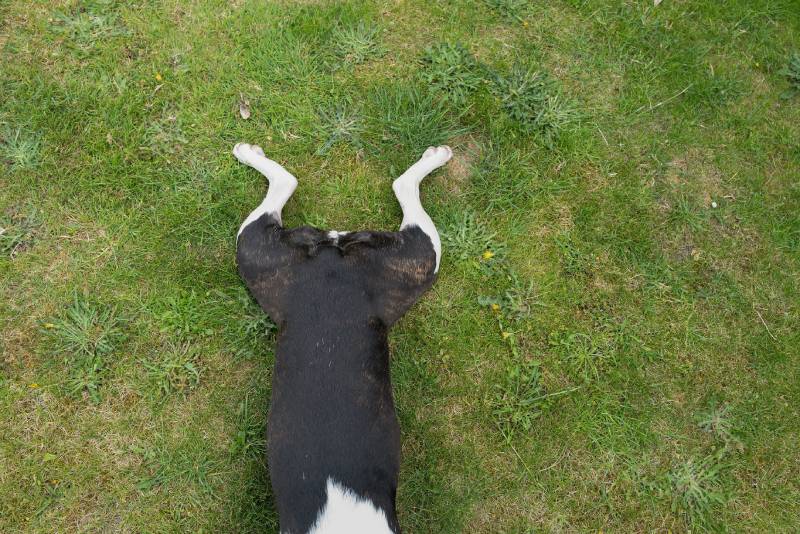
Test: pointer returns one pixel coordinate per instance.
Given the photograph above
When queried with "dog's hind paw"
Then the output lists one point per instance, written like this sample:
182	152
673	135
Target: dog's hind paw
246	153
438	155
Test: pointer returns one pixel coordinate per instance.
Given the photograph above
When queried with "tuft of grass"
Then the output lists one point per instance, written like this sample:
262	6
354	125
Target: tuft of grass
256	326
164	467
509	9
405	120
516	302
353	45
792	73
19	149
467	237
531	99
88	23
174	370
586	354
85	336
518	399
719	423
250	429
574	261
164	136
183	314
452	71
340	124
17	232
686	213
694	488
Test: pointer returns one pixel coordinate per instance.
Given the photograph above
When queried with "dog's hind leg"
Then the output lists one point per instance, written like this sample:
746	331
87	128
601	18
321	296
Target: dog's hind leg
406	188
281	183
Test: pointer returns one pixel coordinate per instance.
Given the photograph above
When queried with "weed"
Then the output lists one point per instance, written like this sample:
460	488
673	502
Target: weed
17	232
518	399
18	149
88	23
340	124
684	212
452	71
585	354
86	336
573	260
175	369
149	458
532	101
792	73
467	237
183	315
164	136
517	300
250	432
354	45
509	9
719	423
694	488
165	466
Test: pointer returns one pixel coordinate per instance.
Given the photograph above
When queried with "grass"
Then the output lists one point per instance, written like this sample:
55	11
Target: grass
17	148
451	70
17	231
85	336
612	341
357	44
175	370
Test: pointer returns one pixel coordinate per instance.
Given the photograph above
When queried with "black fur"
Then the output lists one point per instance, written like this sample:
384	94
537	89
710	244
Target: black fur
332	412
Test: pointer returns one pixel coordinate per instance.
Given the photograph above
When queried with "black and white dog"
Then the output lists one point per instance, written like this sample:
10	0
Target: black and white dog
333	436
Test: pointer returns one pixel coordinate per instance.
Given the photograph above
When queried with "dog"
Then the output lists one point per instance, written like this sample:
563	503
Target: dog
333	438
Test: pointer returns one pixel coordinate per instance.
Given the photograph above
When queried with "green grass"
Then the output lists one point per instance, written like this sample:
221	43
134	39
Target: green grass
612	343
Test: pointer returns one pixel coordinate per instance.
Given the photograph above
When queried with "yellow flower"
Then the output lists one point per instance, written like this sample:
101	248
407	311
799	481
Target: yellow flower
525	23
488	254
33	385
158	77
506	335
495	307
49	325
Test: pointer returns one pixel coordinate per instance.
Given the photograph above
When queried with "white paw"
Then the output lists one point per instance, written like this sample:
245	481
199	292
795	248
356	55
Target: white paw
438	155
247	153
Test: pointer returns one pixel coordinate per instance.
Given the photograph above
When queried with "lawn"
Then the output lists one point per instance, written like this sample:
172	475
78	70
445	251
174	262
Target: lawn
613	343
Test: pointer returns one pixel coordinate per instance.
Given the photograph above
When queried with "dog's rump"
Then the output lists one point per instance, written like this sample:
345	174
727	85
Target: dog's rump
392	269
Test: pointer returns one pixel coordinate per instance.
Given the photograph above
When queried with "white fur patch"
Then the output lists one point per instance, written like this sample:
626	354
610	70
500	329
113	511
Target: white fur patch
336	234
406	188
414	214
281	183
346	513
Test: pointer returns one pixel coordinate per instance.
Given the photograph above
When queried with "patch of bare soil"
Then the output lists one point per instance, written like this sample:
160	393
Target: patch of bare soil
466	153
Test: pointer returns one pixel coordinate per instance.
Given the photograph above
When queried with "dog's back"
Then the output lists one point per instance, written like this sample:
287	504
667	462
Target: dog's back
332	424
